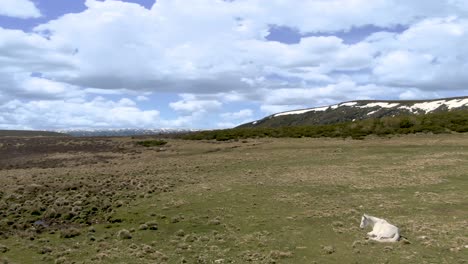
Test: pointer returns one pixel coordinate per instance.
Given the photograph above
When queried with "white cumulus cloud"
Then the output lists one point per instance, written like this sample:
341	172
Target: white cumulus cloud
432	54
190	104
75	113
19	9
214	53
241	114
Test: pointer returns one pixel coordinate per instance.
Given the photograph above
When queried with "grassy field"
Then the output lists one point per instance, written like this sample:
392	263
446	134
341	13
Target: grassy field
249	201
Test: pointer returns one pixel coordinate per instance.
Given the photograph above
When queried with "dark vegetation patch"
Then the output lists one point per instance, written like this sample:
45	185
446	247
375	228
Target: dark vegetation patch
42	152
436	123
152	143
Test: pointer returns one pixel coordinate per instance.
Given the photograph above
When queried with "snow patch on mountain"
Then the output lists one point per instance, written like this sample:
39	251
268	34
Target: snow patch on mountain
455	103
348	104
426	107
379	104
316	109
298	112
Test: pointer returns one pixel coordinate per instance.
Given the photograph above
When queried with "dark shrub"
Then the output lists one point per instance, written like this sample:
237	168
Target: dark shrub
152	143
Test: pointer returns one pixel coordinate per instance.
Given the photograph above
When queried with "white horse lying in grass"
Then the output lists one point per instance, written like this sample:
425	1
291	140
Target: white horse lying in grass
382	230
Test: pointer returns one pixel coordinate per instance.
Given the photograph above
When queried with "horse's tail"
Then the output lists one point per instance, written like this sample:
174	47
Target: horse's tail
395	238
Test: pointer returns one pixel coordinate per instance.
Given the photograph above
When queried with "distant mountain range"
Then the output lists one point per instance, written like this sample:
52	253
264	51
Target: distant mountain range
30	133
121	132
359	110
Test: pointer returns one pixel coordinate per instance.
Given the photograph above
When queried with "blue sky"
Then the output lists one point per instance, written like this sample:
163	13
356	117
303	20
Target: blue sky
216	64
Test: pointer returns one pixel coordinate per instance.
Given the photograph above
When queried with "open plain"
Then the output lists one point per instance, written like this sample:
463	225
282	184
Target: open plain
110	200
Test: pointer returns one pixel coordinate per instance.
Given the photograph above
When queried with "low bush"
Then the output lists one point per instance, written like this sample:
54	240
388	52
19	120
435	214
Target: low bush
69	233
124	234
152	143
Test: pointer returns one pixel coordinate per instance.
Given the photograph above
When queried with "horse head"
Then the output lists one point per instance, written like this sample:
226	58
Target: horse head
364	221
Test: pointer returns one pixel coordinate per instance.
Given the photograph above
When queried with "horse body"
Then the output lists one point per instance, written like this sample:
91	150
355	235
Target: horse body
382	230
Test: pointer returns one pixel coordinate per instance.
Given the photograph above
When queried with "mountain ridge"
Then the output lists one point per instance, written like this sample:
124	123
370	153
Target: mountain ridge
359	110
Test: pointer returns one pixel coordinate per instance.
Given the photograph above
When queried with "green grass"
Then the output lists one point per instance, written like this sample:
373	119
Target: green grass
283	201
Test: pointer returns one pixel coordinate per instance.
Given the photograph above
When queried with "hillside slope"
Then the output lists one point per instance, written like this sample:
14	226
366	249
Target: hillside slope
359	110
